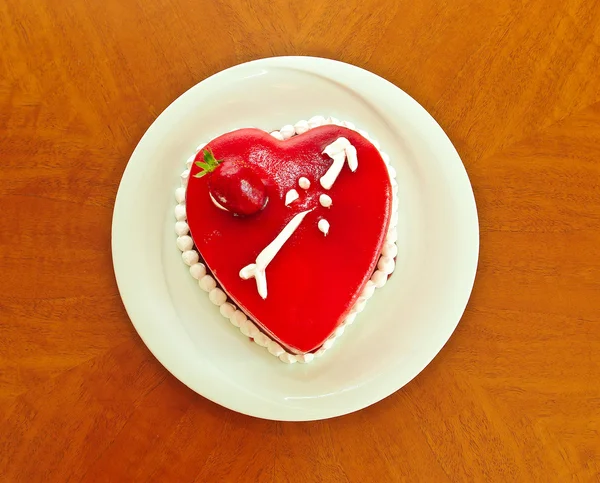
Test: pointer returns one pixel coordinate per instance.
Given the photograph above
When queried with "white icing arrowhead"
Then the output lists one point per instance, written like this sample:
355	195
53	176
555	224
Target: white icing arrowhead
340	151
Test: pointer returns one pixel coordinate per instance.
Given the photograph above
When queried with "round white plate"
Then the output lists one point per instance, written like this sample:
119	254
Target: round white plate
405	324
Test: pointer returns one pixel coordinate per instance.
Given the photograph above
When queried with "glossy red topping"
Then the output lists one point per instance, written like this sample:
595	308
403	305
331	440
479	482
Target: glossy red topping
314	280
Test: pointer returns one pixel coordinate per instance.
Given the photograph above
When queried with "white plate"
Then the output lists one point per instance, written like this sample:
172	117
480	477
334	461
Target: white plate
405	324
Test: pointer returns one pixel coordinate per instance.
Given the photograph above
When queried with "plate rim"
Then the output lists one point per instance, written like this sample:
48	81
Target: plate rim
162	355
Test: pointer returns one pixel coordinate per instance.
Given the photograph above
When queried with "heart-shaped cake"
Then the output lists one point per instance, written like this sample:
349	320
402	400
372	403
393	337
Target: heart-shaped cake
290	232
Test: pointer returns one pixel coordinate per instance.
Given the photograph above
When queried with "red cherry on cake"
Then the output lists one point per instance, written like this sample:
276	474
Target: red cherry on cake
234	185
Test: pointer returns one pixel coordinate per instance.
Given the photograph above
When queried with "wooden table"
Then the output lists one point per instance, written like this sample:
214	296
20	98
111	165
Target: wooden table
513	397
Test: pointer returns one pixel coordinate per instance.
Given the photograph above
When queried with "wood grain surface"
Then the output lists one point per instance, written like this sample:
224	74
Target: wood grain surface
513	397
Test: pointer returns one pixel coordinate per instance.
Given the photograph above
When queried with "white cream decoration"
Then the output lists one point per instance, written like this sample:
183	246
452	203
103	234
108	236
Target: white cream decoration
249	329
291	196
340	151
349	320
316	121
182	228
275	349
217	296
180	194
190	161
368	291
198	270
379	278
185	176
185	243
200	147
190	257
323	226
252	329
180	213
386	265
287	131
328	344
389	250
360	305
305	358
258	269
320	352
288	358
364	134
207	283
238	318
227	310
244	329
301	127
304	183
261	339
392	236
325	200
352	158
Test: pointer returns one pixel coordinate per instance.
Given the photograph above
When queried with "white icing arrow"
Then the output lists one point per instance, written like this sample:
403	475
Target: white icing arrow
340	150
258	269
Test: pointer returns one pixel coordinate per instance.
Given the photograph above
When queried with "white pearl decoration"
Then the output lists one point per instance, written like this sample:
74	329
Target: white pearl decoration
190	257
227	310
238	318
180	194
386	265
287	131
287	358
304	183
181	228
275	349
185	243
305	358
190	161
180	213
185	176
217	296
207	283
291	196
379	278
316	121
301	127
323	226
390	250
325	200
198	270
369	290
261	339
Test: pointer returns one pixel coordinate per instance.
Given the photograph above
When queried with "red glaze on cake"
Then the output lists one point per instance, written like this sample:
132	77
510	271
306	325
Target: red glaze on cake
314	280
